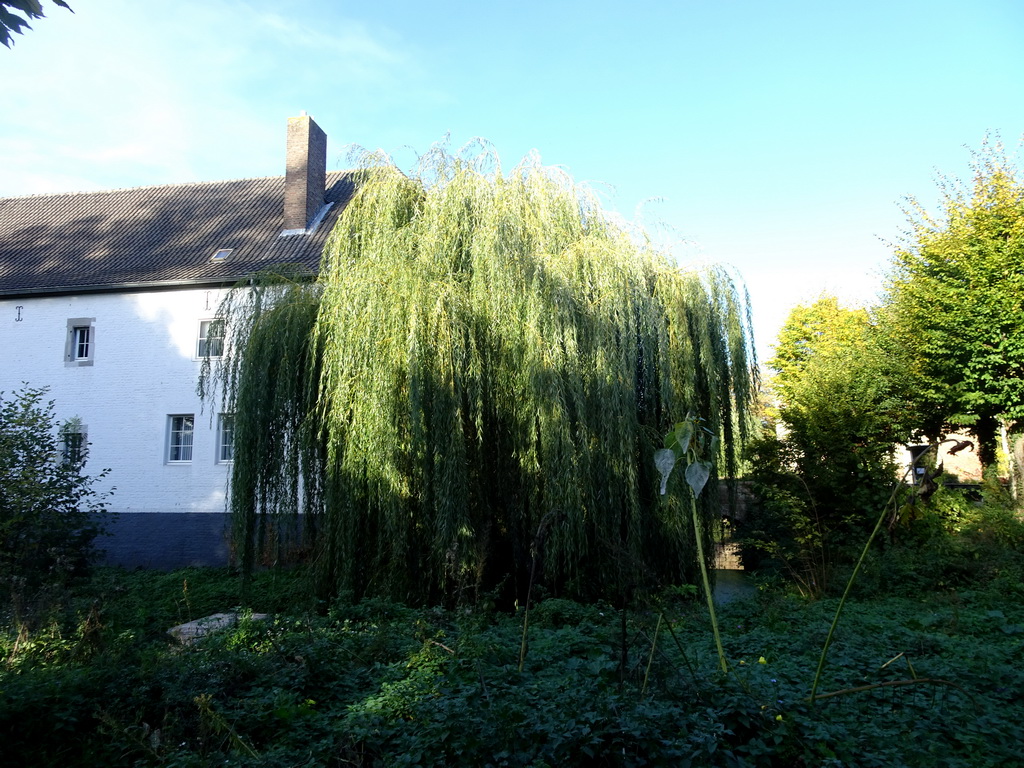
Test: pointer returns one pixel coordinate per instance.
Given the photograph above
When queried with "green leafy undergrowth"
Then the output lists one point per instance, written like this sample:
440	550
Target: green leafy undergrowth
382	684
950	543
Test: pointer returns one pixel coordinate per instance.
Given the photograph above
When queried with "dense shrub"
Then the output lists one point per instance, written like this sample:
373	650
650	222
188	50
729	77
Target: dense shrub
824	470
950	542
49	510
812	514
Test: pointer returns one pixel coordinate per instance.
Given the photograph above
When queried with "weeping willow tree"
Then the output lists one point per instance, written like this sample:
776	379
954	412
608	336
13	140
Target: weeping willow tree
474	389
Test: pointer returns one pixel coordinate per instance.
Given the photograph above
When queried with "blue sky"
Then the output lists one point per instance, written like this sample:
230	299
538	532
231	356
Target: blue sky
774	137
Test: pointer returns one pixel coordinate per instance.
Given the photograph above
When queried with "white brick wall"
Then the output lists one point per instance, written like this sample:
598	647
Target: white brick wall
144	369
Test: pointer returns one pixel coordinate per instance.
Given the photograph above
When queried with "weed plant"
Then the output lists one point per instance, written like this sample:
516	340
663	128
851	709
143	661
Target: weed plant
378	683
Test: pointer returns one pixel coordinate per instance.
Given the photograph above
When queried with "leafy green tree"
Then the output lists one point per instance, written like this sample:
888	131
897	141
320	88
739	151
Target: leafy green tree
812	331
49	511
12	22
837	386
841	406
475	387
955	301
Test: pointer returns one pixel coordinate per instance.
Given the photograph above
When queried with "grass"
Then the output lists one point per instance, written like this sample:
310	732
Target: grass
96	681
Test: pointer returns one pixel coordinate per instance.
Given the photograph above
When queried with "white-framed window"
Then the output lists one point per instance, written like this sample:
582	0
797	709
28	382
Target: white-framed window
73	440
211	339
80	342
180	430
226	439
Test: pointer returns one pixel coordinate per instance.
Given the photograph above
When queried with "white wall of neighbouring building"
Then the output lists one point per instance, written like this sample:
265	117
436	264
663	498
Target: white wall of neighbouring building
142	370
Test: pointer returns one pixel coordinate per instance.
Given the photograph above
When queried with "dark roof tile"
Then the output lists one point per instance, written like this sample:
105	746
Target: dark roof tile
155	236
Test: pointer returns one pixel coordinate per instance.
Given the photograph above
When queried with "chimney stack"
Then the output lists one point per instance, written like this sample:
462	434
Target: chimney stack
306	173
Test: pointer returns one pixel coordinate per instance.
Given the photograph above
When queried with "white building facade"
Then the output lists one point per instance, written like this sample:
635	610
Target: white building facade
125	366
107	300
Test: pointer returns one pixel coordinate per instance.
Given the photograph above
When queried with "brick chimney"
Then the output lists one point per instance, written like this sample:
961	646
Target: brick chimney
306	173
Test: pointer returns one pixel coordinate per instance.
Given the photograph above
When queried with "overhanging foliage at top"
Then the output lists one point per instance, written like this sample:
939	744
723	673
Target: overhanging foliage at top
481	375
12	22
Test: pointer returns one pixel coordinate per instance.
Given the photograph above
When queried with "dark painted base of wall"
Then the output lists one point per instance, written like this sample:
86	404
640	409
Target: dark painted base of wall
166	540
169	540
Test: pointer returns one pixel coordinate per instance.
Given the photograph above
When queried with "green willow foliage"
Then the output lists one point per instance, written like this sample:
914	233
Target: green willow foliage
480	376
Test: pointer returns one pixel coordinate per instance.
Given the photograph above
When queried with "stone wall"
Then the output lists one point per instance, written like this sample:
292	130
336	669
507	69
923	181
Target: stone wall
744	498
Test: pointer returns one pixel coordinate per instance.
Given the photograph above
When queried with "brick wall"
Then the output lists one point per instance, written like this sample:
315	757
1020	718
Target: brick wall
305	176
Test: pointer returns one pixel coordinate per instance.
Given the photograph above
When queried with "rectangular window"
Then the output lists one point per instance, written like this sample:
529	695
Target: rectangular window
80	342
211	339
226	439
80	346
180	438
73	442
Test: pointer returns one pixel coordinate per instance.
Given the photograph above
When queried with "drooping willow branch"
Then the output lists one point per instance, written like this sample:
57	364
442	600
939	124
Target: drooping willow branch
479	351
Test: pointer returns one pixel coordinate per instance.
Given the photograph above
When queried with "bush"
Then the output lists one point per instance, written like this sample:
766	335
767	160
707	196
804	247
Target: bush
812	515
823	483
49	512
948	543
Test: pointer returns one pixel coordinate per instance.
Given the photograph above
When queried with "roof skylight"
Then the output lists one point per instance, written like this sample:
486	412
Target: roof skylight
221	254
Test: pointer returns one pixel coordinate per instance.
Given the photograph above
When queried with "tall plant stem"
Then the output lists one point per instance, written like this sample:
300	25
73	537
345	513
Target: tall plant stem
698	534
849	584
650	658
522	644
526	612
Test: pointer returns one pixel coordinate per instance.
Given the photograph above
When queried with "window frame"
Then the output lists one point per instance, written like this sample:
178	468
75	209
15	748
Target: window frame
74	441
176	438
226	438
76	328
81	337
203	341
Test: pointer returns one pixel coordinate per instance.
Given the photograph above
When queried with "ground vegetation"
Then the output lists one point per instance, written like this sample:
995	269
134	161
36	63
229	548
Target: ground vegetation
924	670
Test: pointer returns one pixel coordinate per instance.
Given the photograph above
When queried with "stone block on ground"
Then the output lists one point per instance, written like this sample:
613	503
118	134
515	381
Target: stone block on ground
191	631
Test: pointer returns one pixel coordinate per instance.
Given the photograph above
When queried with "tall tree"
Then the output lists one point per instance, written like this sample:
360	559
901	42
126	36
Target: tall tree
838	394
830	470
813	330
480	377
956	298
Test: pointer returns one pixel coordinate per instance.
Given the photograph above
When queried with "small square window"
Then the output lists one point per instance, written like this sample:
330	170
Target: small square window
226	439
211	339
180	438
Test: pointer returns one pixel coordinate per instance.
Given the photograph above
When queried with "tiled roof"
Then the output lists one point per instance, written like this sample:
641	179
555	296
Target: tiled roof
153	236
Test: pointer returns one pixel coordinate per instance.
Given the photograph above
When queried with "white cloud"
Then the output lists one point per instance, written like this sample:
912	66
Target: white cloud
352	43
125	95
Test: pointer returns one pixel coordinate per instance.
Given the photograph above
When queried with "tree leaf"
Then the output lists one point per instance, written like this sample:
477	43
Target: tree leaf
697	475
665	461
684	433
